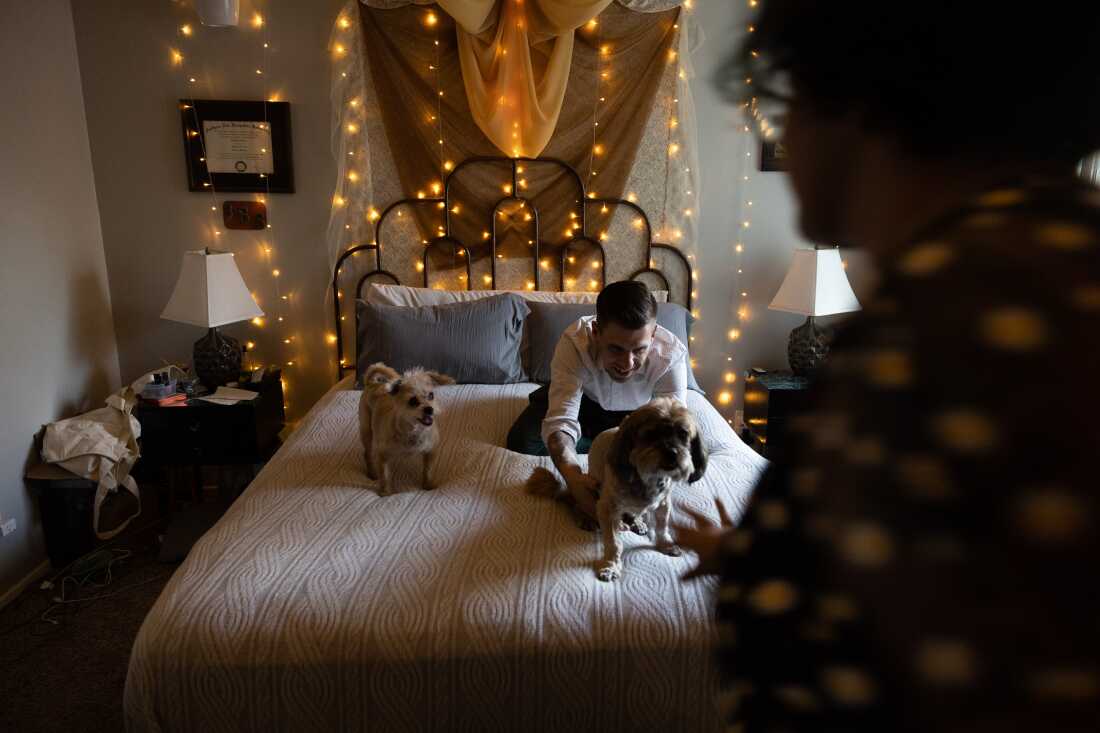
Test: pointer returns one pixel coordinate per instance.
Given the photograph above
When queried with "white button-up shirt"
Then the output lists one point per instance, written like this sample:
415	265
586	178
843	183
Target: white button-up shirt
574	371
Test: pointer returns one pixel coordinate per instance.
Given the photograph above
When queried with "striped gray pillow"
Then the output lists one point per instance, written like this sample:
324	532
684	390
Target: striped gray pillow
474	343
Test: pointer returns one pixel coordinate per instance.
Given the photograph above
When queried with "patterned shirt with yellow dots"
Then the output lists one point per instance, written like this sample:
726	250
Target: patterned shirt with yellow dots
929	561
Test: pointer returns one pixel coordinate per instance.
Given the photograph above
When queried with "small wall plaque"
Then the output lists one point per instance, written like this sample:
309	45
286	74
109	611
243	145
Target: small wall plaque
773	156
244	214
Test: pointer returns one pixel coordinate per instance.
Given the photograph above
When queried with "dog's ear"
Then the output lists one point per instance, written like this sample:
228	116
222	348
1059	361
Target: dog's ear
698	458
379	373
395	387
440	379
618	455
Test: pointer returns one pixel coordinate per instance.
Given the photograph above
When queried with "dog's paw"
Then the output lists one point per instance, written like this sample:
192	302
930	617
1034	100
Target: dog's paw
609	571
670	549
639	527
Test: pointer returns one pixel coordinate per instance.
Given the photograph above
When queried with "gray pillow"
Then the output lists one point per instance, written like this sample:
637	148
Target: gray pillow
474	343
548	321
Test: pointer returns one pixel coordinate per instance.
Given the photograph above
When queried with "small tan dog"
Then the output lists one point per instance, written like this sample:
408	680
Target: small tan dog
637	464
397	418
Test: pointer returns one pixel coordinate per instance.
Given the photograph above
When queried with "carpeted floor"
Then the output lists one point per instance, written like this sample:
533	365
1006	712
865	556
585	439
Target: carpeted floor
64	664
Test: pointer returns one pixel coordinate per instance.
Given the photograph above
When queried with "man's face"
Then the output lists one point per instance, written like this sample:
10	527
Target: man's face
621	351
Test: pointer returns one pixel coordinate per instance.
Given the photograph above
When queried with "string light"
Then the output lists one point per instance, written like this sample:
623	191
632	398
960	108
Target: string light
742	313
597	148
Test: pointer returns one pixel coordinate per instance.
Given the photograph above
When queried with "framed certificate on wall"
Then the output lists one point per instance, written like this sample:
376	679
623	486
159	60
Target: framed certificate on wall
237	146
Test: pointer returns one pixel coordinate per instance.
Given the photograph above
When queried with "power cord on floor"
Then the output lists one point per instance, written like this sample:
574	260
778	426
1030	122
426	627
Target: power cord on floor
80	573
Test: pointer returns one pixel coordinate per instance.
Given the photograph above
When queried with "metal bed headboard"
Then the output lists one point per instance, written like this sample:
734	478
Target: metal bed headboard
461	250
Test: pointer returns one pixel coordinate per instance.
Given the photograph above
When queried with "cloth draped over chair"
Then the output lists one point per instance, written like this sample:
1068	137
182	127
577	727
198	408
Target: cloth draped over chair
500	78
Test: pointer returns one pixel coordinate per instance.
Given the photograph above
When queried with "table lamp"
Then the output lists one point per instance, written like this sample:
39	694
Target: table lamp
815	285
210	292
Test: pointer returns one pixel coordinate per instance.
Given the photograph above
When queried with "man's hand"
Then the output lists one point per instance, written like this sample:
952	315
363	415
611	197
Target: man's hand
705	540
584	489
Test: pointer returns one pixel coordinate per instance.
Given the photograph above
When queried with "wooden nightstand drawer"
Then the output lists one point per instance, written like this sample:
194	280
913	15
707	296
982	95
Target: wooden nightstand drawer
772	399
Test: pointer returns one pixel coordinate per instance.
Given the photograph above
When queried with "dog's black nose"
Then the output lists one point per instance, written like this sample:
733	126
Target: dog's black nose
429	410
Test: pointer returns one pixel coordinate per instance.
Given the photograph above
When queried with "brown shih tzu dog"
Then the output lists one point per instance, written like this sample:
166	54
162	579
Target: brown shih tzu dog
397	417
637	465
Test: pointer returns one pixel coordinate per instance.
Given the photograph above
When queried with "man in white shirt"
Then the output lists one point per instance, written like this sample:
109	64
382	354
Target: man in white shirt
604	367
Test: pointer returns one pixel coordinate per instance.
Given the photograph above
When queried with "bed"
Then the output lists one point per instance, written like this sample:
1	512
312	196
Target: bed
316	604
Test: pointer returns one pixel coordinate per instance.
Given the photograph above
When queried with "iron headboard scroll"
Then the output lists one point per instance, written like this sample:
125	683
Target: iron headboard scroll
462	251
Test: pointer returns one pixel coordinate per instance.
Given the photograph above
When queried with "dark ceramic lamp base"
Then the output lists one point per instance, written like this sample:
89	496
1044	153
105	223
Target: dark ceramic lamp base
808	347
217	359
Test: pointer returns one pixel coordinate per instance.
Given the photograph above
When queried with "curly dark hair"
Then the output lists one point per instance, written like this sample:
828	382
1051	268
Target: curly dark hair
945	77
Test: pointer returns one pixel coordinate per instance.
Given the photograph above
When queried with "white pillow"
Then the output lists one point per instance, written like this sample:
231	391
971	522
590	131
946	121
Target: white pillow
383	294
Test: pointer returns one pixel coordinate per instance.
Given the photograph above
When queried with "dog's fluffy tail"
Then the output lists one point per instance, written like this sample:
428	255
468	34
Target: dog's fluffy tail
379	373
545	483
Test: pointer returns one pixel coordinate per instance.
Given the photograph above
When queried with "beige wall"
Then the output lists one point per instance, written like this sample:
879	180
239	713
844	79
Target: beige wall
769	242
149	217
58	356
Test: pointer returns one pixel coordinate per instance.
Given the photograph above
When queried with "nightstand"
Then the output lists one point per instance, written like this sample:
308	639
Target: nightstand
771	400
184	439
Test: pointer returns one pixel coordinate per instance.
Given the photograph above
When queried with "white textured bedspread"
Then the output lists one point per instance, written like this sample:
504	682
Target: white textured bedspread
315	604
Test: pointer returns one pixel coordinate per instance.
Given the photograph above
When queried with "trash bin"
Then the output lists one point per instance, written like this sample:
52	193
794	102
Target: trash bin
66	502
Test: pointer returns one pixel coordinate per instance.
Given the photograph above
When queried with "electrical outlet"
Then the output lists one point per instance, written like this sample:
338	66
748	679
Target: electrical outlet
8	527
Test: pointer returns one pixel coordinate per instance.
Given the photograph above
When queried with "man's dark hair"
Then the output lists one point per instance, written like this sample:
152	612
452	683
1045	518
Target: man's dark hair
627	303
945	77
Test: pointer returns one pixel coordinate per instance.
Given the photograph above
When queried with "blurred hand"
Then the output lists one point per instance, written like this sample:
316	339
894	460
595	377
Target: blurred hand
704	538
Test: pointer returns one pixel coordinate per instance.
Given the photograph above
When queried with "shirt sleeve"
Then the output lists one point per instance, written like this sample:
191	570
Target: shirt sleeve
674	381
566	388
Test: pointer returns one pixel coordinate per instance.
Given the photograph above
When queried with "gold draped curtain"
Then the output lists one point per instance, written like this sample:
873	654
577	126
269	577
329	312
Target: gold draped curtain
556	84
515	57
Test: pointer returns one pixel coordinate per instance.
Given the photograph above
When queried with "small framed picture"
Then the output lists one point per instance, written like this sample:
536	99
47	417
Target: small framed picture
773	156
237	146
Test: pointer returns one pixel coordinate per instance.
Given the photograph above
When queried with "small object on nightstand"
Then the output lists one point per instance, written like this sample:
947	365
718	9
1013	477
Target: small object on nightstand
162	387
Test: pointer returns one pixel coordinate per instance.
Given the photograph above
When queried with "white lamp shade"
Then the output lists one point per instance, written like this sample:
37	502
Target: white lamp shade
210	292
815	285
